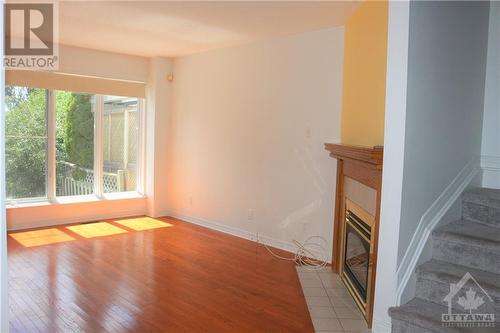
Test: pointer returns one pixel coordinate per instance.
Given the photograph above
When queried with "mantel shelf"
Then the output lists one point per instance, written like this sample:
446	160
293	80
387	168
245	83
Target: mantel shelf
371	155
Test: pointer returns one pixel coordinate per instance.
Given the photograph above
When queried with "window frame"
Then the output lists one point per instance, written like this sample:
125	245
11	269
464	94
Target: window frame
98	194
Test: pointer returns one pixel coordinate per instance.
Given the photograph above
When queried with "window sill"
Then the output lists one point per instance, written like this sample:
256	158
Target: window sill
76	199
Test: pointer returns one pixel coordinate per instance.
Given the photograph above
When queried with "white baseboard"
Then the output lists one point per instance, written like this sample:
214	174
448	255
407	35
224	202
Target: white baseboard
491	171
379	326
245	234
162	213
490	162
429	221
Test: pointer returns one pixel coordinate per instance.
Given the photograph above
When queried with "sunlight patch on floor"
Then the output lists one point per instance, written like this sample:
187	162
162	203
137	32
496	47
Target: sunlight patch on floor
97	229
143	223
41	237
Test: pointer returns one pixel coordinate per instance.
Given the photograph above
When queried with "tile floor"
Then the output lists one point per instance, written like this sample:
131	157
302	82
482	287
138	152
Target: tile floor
331	307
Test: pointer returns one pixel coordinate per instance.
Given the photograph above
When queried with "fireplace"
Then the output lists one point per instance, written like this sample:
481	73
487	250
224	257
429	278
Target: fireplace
356	268
357	215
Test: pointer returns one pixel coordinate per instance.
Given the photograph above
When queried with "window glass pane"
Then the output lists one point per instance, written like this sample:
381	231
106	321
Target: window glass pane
26	142
74	143
120	135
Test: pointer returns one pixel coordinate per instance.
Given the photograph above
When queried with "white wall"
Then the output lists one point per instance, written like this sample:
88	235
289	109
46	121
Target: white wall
4	308
392	176
490	149
247	132
159	108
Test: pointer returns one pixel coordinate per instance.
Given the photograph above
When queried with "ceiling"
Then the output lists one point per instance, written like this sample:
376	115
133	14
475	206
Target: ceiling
179	28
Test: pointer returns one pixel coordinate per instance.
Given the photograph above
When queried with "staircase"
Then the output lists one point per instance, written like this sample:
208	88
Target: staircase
471	245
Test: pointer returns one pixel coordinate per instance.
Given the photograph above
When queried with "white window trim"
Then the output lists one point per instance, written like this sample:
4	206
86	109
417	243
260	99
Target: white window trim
141	146
51	146
99	194
98	145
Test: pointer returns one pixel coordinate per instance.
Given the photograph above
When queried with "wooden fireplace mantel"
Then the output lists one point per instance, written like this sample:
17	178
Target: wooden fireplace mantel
363	164
370	155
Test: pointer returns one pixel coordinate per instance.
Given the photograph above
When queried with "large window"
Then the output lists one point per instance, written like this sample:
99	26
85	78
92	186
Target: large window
63	144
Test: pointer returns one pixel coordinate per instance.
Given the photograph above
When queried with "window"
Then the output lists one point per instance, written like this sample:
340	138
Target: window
74	143
63	144
120	138
26	142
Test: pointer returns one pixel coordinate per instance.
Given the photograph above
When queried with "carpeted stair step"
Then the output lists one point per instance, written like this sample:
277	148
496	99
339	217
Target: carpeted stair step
468	244
482	205
435	277
399	326
421	316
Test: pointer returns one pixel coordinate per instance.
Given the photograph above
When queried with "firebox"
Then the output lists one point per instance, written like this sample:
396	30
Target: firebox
357	250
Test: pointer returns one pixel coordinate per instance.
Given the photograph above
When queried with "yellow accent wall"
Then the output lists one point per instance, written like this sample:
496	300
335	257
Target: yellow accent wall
365	58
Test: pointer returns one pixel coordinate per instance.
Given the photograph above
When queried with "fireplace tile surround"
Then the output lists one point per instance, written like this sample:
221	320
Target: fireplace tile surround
330	305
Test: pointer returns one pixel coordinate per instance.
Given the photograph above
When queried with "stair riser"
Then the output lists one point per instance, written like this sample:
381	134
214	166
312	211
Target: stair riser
399	326
484	214
466	255
431	291
435	291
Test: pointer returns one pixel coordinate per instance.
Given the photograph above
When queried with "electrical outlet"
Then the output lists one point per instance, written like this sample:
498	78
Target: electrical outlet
251	215
190	200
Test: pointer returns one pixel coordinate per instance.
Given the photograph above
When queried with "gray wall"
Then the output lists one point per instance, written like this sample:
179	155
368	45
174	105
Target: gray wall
491	122
446	75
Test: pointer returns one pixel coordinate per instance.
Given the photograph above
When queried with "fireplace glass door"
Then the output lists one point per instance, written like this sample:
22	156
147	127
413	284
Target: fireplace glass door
357	254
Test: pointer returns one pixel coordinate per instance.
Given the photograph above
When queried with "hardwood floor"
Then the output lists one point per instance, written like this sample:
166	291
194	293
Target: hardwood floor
182	278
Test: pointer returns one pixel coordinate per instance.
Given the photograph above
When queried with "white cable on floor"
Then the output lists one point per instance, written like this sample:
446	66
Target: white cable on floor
305	256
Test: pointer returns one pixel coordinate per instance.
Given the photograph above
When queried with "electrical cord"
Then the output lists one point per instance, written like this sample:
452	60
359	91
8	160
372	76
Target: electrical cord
305	255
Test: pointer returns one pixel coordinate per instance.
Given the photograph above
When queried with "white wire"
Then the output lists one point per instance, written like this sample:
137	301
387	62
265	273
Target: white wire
305	254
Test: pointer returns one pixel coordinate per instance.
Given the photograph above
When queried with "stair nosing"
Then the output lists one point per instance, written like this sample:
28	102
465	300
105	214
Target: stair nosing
458	237
423	273
485	204
483	223
472	195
